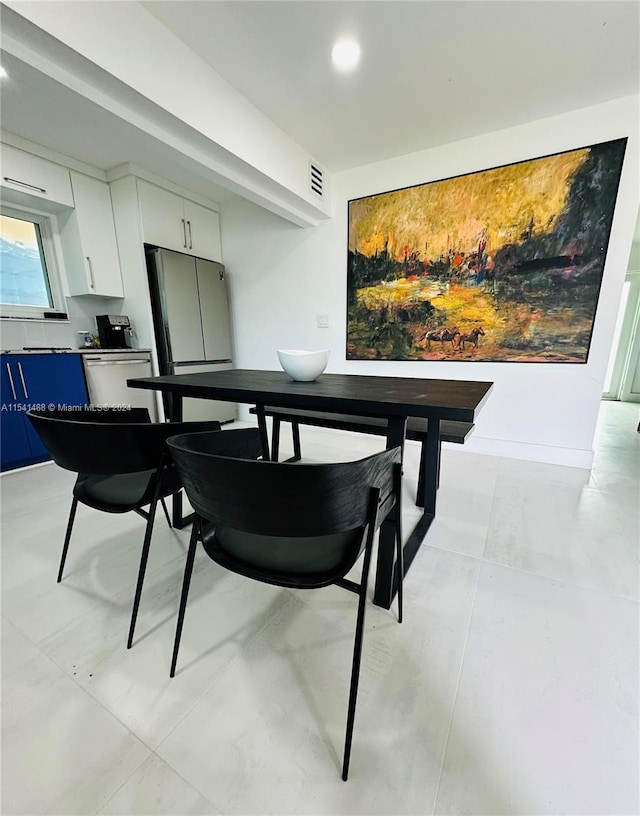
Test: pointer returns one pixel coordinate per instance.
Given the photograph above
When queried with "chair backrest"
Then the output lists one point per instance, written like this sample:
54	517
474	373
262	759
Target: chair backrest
99	442
104	415
278	499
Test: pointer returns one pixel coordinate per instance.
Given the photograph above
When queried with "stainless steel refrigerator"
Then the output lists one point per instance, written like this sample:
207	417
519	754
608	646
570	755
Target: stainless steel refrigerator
191	322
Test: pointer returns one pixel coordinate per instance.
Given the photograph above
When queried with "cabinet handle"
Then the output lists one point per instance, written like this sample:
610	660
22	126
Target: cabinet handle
190	238
92	281
24	184
91	363
13	388
24	385
184	230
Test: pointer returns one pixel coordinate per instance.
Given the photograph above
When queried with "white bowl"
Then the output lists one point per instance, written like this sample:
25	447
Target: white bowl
303	366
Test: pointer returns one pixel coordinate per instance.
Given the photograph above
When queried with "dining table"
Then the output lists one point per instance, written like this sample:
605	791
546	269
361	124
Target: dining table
394	399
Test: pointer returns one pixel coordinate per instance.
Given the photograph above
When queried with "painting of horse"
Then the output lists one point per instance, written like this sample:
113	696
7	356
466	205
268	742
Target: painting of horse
501	265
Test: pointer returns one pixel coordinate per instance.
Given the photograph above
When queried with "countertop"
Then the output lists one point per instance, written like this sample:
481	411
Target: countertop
61	350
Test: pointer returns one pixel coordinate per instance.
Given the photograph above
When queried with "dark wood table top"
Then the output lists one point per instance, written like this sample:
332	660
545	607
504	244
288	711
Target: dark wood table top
344	393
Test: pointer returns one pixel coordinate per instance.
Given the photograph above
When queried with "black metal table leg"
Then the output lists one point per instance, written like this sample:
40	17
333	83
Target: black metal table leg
386	573
175	415
431	468
275	439
384	590
264	436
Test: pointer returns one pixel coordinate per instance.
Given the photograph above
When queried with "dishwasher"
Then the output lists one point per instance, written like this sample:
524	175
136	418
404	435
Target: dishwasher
107	376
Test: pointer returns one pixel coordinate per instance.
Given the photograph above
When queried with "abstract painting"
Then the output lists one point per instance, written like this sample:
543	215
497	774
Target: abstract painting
501	265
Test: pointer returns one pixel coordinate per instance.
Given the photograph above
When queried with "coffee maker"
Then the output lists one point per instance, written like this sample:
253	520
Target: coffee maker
114	331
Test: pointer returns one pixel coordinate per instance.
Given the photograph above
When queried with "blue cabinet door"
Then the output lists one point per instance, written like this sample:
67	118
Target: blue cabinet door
15	445
53	379
9	388
14	441
35	381
17	367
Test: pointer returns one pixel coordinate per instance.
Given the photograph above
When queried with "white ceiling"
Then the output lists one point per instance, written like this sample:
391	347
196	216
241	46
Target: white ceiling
431	73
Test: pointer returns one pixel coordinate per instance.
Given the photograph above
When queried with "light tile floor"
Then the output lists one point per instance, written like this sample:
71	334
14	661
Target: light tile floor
511	687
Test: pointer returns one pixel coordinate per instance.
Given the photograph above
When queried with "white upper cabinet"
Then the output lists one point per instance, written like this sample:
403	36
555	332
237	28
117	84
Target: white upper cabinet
172	222
89	240
30	180
203	231
163	222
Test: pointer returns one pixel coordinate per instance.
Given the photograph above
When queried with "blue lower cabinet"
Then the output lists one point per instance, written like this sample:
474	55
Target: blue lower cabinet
35	381
56	379
15	448
38	451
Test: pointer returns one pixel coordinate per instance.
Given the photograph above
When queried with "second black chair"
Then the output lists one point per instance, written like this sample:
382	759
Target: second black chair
301	526
122	465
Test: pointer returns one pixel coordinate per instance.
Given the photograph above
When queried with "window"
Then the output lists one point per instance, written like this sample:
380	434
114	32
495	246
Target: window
28	280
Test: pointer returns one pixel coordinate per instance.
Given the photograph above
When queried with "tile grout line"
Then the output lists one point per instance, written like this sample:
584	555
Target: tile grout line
221	673
81	688
489	560
87	690
563	581
455	696
484	560
473	601
146	759
481	560
151	750
134	771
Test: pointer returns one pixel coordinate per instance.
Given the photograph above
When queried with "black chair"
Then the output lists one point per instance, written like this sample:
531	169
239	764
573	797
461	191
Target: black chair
300	526
122	465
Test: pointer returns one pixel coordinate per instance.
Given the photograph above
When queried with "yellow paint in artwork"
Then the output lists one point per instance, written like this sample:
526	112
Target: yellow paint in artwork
471	308
397	293
458	305
497	204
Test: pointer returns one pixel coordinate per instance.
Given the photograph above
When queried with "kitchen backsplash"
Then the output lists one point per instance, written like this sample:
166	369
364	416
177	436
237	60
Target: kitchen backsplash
16	334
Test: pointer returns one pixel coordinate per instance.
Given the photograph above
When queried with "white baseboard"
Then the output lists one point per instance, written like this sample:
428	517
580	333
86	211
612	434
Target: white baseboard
26	467
571	457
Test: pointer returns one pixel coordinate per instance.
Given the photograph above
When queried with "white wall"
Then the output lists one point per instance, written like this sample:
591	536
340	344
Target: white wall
282	277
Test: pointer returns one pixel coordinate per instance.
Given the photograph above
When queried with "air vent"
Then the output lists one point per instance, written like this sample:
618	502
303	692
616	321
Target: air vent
315	179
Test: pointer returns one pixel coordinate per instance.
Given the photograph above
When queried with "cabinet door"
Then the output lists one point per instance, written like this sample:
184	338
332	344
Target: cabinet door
203	231
179	293
214	310
14	450
100	260
53	379
36	380
163	221
10	389
35	178
20	443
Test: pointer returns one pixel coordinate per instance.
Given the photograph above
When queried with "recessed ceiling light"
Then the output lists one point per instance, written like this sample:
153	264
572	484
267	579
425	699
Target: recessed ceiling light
345	54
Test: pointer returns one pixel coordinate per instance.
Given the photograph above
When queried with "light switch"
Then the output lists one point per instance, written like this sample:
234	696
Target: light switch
323	321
